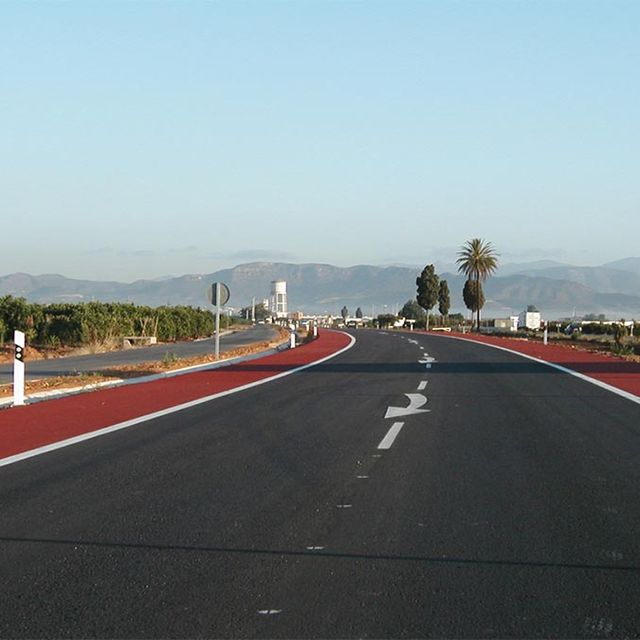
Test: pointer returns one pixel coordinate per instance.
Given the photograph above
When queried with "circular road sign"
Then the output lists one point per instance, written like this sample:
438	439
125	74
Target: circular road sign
224	294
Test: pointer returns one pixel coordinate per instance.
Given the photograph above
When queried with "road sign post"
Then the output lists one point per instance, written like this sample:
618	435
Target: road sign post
18	368
218	294
217	341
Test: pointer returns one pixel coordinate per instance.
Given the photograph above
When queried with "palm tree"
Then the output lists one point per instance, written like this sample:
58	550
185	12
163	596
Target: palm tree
477	259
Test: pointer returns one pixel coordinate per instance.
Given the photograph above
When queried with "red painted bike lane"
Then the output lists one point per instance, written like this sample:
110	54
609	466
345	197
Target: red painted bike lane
29	427
617	372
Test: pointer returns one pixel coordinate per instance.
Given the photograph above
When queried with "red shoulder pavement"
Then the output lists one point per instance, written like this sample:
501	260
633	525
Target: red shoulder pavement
617	372
34	426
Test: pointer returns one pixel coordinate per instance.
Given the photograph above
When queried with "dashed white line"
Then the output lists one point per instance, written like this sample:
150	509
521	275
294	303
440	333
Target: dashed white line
422	386
393	432
269	612
344	506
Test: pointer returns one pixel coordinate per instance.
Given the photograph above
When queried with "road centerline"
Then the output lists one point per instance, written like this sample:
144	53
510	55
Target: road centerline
393	432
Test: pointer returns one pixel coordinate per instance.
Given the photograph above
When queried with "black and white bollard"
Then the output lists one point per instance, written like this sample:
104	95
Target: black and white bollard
292	336
18	368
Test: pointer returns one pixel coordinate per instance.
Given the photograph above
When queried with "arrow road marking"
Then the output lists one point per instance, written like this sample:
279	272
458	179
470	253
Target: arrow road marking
416	400
387	441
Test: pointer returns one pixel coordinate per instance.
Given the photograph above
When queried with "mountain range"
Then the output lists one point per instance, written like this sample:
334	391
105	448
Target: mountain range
557	289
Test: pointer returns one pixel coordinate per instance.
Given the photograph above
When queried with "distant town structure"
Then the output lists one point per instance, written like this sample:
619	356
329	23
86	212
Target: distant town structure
506	324
529	320
278	299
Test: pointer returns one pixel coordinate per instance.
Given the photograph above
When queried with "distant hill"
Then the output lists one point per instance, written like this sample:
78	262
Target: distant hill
557	290
626	264
602	279
512	268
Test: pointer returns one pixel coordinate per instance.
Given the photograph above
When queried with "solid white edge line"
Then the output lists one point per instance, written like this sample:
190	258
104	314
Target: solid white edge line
164	412
387	441
598	383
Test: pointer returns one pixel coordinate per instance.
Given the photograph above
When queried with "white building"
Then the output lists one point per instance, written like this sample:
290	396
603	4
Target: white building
278	299
507	324
529	320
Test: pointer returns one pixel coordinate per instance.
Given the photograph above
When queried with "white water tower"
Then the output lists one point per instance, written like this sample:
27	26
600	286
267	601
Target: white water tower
278	300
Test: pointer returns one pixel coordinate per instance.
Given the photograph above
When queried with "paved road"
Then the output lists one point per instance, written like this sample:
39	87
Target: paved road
510	509
77	364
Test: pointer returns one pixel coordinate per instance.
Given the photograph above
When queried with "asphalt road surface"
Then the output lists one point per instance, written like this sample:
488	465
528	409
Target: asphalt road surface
78	364
511	508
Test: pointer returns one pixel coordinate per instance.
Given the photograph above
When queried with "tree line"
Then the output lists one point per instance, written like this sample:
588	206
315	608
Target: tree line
68	324
477	260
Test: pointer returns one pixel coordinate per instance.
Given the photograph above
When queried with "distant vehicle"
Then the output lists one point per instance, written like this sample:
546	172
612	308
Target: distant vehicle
574	327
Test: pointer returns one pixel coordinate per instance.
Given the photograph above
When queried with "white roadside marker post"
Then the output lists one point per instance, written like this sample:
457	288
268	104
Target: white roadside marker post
292	337
18	368
546	335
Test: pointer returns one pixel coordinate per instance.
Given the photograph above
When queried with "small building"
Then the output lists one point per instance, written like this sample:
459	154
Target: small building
529	320
506	324
278	299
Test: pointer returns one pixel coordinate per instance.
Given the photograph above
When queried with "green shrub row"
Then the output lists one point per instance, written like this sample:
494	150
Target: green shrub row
94	322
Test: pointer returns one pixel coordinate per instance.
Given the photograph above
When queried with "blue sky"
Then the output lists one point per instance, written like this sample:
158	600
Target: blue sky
141	139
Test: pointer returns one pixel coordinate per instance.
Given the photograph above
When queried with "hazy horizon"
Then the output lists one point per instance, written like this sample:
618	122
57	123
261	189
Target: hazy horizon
441	267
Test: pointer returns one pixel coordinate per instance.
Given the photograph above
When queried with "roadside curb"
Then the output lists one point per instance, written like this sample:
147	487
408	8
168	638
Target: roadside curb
41	396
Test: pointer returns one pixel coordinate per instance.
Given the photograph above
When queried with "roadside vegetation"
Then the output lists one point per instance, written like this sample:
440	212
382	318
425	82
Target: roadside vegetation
99	325
477	260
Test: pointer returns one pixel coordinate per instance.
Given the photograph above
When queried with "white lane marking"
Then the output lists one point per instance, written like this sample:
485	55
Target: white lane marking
422	386
315	548
387	441
414	342
416	400
610	510
598	626
269	612
603	385
362	477
377	455
164	412
426	359
344	506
